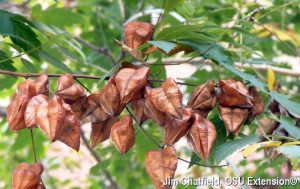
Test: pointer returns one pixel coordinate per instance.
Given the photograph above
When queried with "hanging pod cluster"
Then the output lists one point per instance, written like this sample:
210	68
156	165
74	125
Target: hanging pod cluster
59	116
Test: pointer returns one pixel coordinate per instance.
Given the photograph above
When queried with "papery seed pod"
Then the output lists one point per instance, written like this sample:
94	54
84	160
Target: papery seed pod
122	134
202	135
266	126
203	98
151	111
16	108
68	89
40	186
94	109
30	112
78	106
27	177
177	128
70	134
161	165
50	117
101	131
137	33
138	107
110	98
130	83
233	118
41	85
257	101
234	94
167	98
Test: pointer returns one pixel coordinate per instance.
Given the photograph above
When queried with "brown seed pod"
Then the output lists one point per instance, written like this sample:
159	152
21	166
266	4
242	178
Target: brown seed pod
167	98
203	98
50	117
94	109
68	89
266	126
233	118
122	134
151	111
30	112
161	165
16	108
137	33
78	106
27	177
70	134
41	85
177	128
138	107
110	98
101	131
130	83
234	94
257	101
202	136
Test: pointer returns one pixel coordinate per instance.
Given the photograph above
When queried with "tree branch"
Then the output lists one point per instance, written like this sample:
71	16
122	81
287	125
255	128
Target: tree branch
27	75
98	159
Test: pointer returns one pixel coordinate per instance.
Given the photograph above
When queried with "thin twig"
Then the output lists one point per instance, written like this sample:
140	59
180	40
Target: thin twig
203	165
98	159
101	50
33	146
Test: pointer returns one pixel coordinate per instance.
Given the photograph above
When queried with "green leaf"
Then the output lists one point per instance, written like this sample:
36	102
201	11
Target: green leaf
163	45
228	148
290	151
5	63
7	81
171	5
158	71
291	106
28	65
290	126
20	30
60	17
55	62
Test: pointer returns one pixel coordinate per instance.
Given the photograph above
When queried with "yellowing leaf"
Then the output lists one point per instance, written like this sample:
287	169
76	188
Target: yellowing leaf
295	162
291	143
252	148
271	78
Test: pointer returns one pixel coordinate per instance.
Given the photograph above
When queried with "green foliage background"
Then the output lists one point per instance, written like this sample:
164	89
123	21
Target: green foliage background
46	38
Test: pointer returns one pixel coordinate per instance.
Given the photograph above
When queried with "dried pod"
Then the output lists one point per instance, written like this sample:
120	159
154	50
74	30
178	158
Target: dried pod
30	112
151	111
94	108
202	136
70	134
27	177
161	165
41	85
257	101
130	82
110	98
101	131
234	94
17	107
203	98
167	98
137	33
68	89
266	126
122	134
40	186
78	106
50	117
177	128
138	107
233	118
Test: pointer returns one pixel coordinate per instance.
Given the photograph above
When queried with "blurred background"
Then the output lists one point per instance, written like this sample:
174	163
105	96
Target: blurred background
77	36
